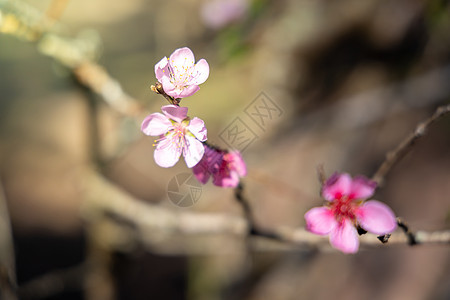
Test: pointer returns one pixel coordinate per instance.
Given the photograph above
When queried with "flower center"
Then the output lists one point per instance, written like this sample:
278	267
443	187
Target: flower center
344	208
178	133
180	77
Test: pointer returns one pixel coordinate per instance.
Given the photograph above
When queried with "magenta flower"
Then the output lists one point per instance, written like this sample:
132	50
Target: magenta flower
179	75
225	167
178	135
346	210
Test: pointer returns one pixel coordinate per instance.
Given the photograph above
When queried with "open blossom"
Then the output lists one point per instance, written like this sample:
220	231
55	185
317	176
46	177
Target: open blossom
178	135
179	75
225	167
346	209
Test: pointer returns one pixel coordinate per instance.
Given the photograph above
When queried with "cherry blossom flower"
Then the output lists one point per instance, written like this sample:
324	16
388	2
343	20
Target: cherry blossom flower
178	135
225	167
346	210
219	13
179	75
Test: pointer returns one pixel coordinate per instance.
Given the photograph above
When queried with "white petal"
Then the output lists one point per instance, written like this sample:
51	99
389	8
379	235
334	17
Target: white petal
194	151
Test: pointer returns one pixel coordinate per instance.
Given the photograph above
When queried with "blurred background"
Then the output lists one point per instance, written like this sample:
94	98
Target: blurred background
346	80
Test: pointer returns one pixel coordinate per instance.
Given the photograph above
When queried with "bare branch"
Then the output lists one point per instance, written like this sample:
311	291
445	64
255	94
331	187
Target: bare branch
154	224
97	79
394	156
102	196
78	54
363	109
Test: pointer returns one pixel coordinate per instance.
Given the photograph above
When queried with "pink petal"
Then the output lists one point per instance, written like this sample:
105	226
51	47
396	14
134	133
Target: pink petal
230	181
181	60
194	152
336	186
215	159
201	171
175	92
344	237
156	124
168	86
187	91
162	69
167	153
201	72
320	220
238	163
362	188
175	113
197	128
376	217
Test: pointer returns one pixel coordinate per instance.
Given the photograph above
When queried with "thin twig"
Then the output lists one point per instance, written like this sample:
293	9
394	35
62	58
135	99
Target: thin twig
239	196
253	229
394	156
363	109
412	240
409	234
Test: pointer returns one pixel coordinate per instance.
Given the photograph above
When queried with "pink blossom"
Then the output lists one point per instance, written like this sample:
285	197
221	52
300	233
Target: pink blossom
346	210
225	167
179	75
178	135
219	13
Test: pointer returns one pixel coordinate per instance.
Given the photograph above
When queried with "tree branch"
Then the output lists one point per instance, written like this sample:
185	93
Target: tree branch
394	156
77	54
154	224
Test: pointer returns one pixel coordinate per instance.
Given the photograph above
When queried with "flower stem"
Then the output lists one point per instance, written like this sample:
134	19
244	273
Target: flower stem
157	88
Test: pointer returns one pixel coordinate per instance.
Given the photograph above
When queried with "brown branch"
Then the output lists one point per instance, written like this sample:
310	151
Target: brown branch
394	156
156	226
97	79
103	197
363	109
239	196
293	239
77	54
408	233
253	229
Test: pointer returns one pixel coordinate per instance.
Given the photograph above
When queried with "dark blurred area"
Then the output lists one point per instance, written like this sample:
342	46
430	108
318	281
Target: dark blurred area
350	78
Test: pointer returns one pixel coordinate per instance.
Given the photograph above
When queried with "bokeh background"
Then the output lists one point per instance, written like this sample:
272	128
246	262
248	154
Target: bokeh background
352	78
